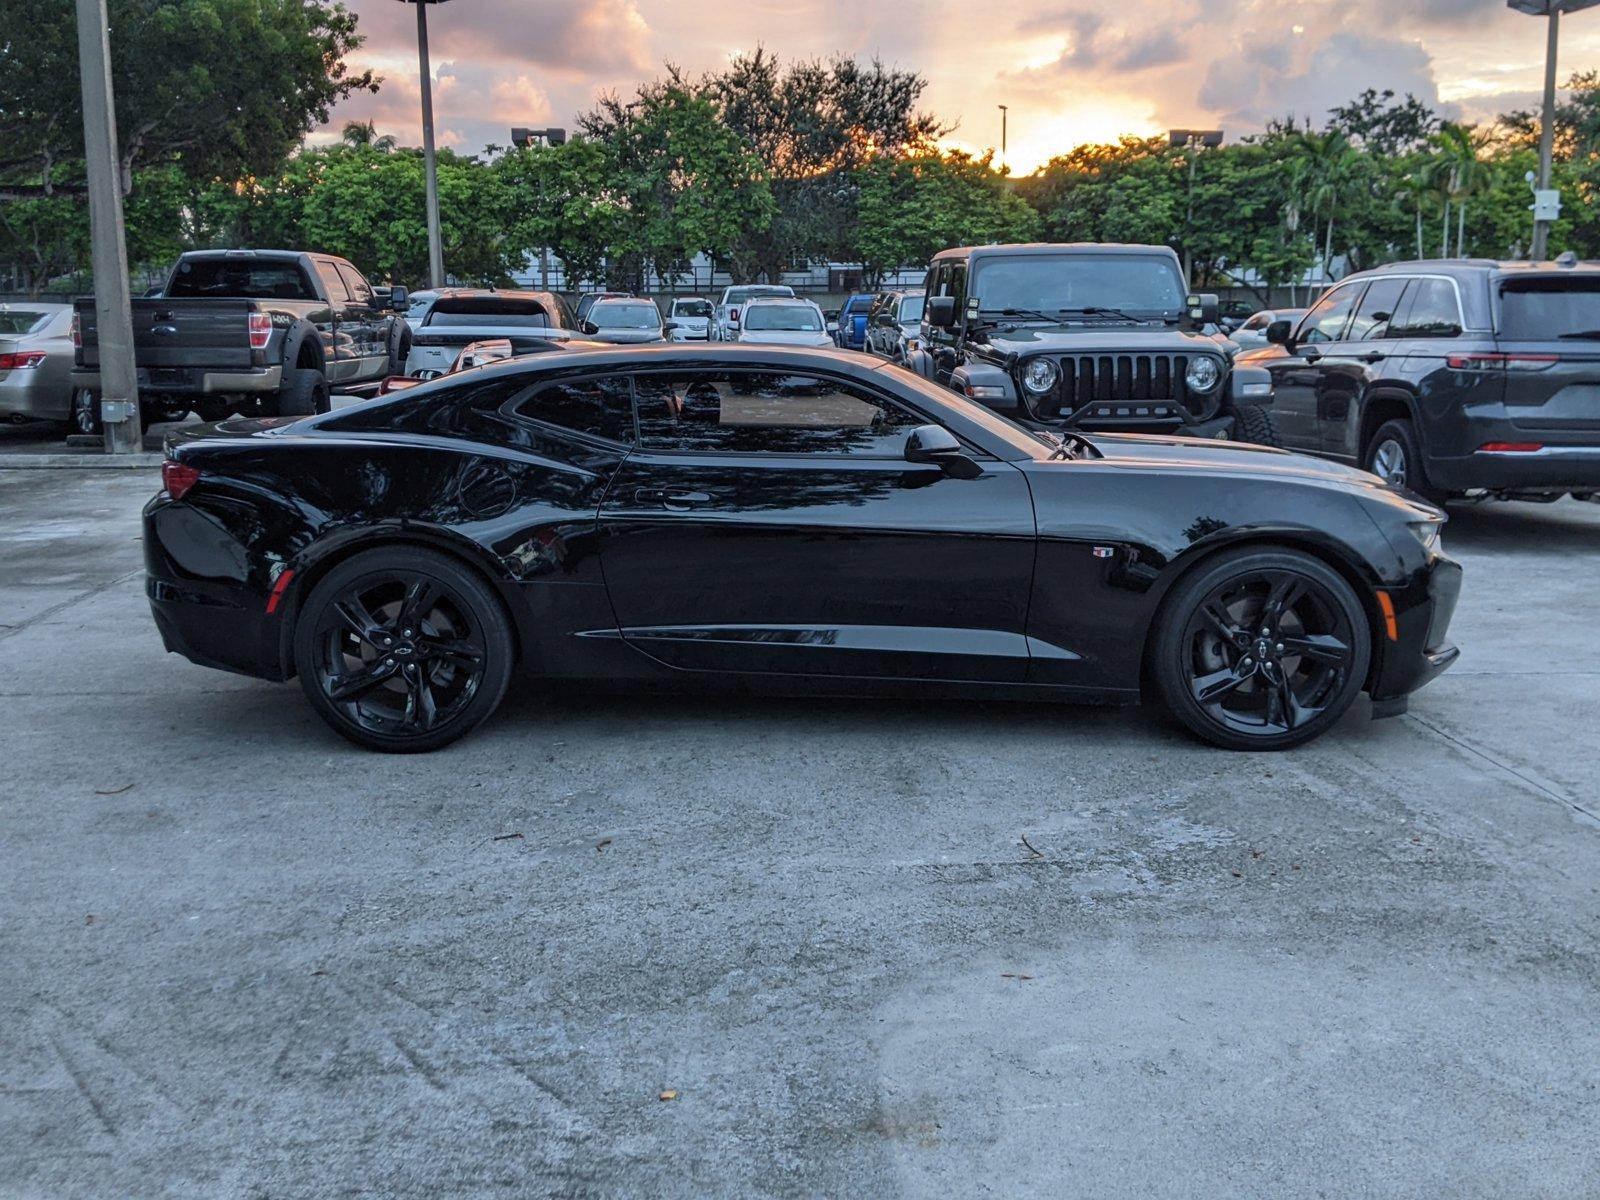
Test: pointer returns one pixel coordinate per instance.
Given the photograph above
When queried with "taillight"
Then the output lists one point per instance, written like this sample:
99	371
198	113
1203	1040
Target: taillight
733	316
77	332
1507	362
260	330
178	478
22	361
1511	447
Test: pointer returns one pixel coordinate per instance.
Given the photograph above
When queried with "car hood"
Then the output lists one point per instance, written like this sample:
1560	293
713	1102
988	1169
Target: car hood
1203	455
784	337
627	337
1090	339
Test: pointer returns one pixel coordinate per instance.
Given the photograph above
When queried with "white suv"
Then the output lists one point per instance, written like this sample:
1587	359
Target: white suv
725	322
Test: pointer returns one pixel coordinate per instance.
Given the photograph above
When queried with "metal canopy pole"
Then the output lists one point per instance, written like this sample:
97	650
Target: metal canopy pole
119	384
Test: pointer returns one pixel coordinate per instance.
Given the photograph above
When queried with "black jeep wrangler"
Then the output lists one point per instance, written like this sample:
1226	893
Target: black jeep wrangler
1090	337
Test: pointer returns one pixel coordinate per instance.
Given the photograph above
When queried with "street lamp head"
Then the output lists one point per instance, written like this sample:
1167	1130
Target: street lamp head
1543	8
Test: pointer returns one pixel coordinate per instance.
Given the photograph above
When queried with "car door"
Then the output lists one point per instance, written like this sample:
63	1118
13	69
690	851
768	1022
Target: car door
1351	363
371	328
769	522
1296	372
339	346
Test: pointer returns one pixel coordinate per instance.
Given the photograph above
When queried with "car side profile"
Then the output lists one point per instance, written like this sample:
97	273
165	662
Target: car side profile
892	325
775	519
1449	377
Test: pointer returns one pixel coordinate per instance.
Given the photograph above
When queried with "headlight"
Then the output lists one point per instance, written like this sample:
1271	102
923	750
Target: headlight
1202	374
1428	533
1039	376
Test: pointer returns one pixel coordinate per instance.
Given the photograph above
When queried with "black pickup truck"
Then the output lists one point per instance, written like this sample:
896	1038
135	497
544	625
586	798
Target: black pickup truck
1087	336
253	332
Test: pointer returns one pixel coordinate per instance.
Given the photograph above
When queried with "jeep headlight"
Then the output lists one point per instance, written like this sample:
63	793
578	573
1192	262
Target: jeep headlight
1039	376
1202	375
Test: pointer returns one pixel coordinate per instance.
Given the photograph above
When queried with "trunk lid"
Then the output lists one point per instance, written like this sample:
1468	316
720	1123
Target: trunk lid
180	333
1548	342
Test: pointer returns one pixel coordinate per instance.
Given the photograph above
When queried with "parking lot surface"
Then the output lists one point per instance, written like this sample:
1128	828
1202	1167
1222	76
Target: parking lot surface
874	948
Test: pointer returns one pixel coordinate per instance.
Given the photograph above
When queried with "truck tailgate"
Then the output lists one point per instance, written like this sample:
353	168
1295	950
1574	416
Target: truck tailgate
214	334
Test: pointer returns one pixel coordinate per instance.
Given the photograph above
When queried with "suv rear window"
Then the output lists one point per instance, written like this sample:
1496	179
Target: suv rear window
1548	309
249	279
501	312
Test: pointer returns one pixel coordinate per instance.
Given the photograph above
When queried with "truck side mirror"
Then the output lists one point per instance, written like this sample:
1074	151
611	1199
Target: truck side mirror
1204	308
399	299
942	312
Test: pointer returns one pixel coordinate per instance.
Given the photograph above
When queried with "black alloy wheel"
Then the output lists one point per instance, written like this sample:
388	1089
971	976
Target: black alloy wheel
403	650
1262	650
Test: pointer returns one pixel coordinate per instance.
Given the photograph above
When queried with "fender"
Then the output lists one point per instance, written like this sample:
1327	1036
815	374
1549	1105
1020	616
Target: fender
989	385
299	333
921	362
1250	385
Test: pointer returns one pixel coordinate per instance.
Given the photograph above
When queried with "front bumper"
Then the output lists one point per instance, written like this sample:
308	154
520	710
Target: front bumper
1420	649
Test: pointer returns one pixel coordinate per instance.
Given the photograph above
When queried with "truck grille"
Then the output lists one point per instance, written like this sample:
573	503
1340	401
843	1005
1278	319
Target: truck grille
1131	387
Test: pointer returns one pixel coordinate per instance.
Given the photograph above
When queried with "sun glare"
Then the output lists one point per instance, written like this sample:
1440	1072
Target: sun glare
1035	138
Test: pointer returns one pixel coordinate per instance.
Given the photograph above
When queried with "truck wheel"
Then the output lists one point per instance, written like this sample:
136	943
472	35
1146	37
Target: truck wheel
84	416
304	394
399	350
1394	456
1253	423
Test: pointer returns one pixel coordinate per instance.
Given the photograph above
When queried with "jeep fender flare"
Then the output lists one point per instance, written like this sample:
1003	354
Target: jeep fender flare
920	361
987	376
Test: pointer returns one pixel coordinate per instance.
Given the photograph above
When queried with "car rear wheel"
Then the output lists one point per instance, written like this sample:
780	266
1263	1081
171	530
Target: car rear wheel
1395	456
304	393
1261	649
84	417
403	650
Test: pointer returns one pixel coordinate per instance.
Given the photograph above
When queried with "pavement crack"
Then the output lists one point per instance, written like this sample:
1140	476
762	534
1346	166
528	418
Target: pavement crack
95	1106
47	613
1543	789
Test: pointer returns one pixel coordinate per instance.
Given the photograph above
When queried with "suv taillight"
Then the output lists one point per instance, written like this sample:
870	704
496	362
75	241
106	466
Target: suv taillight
178	478
1507	362
260	330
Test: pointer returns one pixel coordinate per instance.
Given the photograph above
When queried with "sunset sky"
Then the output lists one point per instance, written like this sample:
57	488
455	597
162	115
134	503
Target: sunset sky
1071	70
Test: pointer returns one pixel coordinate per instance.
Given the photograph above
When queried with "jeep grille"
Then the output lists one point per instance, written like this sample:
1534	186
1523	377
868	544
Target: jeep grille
1132	388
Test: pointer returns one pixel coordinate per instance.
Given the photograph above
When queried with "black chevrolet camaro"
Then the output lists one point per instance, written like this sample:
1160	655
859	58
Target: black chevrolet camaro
781	520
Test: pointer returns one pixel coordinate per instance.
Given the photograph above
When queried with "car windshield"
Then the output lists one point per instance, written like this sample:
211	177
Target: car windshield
691	308
499	312
1072	283
248	279
858	304
625	316
789	318
21	320
910	310
739	295
1542	309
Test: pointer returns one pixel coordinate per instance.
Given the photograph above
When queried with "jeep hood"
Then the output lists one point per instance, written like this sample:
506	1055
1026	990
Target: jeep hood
1091	339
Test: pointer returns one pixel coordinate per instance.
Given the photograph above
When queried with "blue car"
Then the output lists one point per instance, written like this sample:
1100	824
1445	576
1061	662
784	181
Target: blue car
852	331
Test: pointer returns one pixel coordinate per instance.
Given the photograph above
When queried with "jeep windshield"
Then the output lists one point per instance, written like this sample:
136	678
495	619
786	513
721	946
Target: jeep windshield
1074	286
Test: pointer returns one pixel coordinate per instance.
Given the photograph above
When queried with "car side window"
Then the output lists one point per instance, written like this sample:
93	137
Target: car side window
1259	321
599	407
1376	310
767	412
1326	321
1431	310
360	290
338	294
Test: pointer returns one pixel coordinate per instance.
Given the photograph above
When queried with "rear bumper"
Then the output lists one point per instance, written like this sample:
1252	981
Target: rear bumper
34	395
193	381
1550	469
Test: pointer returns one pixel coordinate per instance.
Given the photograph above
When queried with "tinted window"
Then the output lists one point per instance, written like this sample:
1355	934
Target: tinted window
1054	283
360	290
21	320
329	274
612	314
1376	310
691	308
598	407
738	295
501	312
250	279
910	310
1326	320
1428	309
1551	308
766	411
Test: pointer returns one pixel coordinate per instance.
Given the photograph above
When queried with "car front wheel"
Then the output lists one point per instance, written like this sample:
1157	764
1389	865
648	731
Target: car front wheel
403	650
1261	649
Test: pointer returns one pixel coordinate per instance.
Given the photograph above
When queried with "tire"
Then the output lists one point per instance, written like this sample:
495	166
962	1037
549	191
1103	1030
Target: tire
84	415
303	394
1395	456
403	686
399	349
1231	684
1253	423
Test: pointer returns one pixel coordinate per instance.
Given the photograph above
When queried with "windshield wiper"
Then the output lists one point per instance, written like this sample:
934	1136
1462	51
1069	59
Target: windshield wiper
1032	313
1100	310
1070	445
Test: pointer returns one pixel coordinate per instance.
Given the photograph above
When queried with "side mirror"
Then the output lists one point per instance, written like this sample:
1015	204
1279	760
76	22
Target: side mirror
937	445
941	312
1280	332
399	299
1204	309
591	328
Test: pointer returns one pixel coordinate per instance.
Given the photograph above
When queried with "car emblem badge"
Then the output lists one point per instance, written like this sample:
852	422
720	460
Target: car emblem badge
1104	551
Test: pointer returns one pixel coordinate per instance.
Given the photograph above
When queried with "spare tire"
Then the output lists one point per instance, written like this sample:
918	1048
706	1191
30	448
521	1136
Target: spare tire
304	393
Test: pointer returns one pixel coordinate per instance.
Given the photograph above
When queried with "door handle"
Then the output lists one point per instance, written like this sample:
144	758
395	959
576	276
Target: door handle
684	498
1372	356
648	495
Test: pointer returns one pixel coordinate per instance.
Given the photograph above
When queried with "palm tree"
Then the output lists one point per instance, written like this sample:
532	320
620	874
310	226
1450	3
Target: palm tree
1464	173
1323	175
1415	187
359	135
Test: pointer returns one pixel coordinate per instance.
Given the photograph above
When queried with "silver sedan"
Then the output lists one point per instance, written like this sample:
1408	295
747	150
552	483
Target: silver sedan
35	361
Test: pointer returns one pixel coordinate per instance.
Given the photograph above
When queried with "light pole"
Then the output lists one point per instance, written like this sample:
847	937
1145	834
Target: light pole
1545	206
430	165
1004	109
113	317
524	137
1193	140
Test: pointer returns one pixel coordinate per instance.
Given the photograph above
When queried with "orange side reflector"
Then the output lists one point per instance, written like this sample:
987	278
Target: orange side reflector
282	585
1384	603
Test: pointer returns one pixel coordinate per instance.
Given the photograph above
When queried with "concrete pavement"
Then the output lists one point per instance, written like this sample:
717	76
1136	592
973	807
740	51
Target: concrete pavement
241	958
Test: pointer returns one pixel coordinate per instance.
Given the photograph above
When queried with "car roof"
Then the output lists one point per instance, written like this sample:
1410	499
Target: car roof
779	301
1018	249
1463	267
